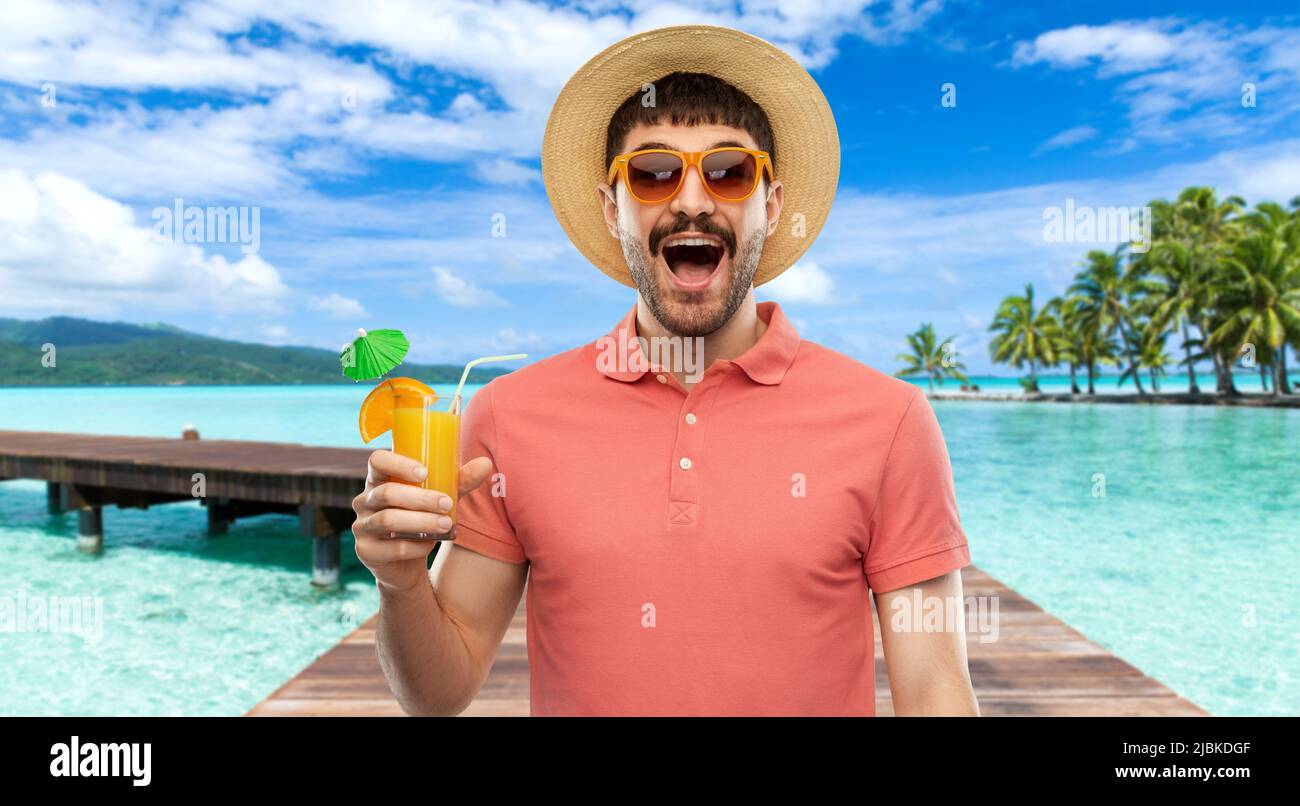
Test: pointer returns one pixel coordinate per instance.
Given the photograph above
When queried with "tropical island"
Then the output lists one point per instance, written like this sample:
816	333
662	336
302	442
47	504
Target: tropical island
69	351
1223	279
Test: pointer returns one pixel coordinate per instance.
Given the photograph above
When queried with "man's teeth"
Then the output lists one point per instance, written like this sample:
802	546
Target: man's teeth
691	242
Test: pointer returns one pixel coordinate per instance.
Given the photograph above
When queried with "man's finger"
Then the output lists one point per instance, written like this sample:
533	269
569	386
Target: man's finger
393	494
473	472
386	465
380	524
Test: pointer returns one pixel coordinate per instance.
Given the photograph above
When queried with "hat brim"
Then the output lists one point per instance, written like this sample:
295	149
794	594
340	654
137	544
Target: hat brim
807	146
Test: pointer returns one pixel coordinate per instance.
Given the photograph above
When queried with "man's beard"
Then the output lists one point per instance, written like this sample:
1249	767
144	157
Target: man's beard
693	319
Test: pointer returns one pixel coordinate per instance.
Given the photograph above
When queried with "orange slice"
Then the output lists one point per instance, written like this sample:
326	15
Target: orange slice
377	409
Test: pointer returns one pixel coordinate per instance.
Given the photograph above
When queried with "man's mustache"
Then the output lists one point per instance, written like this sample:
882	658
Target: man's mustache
706	226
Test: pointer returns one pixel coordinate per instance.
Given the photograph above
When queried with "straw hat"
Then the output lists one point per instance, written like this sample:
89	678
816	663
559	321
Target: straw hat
807	146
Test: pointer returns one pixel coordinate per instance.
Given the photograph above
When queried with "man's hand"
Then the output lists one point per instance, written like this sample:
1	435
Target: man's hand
387	506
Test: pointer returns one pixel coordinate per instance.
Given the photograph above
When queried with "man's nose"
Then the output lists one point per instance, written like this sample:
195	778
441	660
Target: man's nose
692	200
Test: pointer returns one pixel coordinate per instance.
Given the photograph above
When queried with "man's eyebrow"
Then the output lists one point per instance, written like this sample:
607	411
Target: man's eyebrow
666	147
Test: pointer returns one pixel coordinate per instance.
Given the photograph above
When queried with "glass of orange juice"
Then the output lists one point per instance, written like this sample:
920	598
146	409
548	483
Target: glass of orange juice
427	430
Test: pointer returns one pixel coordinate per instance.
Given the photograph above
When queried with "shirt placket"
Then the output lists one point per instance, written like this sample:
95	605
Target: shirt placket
685	466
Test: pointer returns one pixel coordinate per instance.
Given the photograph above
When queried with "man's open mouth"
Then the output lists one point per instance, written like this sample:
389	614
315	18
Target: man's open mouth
693	261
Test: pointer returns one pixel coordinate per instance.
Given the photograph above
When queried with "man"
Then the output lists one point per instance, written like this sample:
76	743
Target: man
699	534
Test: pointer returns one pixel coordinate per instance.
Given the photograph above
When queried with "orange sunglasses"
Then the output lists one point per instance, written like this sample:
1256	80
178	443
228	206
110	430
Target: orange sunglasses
655	175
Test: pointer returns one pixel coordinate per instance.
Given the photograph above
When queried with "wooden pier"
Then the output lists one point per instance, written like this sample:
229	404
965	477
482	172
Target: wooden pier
1038	666
231	478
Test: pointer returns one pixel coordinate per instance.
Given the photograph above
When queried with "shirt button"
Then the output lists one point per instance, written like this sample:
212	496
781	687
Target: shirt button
690	418
685	463
662	379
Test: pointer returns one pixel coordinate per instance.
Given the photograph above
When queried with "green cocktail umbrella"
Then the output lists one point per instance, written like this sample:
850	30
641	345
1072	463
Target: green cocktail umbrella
373	353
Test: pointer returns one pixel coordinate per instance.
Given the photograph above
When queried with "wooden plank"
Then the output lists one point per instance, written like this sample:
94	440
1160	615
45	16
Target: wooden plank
231	454
1039	666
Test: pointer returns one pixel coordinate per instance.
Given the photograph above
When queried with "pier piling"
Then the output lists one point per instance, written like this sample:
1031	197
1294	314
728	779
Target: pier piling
54	497
90	529
323	526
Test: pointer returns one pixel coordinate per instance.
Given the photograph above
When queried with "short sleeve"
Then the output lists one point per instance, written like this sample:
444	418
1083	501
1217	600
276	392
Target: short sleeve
914	530
482	523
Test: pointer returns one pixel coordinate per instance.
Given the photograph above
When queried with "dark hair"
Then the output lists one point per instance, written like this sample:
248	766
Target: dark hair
691	99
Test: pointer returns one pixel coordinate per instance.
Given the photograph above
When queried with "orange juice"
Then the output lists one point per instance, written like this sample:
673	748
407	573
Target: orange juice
432	438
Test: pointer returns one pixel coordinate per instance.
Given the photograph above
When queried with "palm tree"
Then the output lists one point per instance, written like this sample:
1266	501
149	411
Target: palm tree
1112	295
1069	320
1261	306
1206	225
930	358
1275	221
1024	335
1177	304
1152	355
1088	345
1095	348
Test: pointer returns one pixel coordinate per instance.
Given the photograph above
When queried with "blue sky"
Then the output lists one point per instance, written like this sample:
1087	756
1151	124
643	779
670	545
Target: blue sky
378	142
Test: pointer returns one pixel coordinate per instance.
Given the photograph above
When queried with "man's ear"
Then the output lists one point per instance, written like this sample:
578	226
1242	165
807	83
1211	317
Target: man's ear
773	202
609	207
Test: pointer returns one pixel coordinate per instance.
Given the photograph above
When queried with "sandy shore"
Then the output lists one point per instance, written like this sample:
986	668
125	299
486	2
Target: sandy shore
1249	399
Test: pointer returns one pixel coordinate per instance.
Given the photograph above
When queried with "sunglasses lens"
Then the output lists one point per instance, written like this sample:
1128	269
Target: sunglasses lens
653	177
730	174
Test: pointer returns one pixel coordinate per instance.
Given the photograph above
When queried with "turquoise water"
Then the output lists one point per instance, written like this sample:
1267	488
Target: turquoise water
1183	568
311	415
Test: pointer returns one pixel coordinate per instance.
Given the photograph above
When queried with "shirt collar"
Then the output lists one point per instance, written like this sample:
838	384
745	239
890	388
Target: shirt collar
766	362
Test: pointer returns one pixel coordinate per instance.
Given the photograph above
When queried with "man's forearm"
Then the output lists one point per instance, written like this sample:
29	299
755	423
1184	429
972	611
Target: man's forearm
422	653
939	697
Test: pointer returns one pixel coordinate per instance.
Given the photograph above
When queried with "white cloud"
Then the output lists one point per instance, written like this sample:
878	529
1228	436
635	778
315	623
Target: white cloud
1121	46
66	248
146	45
460	292
328	160
472	343
338	306
509	339
506	172
276	333
805	282
387	238
155	156
1067	138
1182	81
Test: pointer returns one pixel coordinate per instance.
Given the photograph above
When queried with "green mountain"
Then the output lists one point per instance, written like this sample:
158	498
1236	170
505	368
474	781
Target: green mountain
91	353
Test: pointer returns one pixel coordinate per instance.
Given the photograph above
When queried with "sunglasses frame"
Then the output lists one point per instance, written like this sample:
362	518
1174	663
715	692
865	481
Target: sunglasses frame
618	168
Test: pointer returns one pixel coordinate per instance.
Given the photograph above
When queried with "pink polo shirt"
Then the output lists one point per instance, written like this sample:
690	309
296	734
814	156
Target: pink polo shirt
709	552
